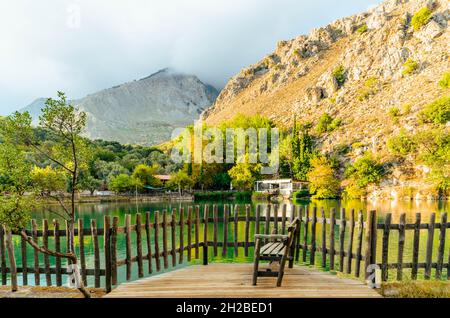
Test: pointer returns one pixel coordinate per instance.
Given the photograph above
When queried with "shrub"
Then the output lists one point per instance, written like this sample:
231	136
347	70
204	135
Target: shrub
401	145
438	112
421	18
362	29
410	67
339	75
323	182
394	112
365	171
445	81
369	88
407	109
301	194
327	123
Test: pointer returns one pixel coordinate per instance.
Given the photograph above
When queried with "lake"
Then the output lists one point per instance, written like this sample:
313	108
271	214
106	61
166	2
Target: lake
87	212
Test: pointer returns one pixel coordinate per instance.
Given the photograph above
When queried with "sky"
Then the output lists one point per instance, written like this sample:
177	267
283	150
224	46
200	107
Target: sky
83	46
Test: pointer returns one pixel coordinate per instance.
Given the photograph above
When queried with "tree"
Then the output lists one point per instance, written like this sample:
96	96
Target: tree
302	152
323	181
68	151
181	181
123	183
145	175
244	174
363	172
48	180
88	182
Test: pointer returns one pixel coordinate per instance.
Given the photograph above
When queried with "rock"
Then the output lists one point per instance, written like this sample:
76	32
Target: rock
431	31
377	19
314	94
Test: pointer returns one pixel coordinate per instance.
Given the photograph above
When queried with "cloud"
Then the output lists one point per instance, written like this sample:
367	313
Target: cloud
82	46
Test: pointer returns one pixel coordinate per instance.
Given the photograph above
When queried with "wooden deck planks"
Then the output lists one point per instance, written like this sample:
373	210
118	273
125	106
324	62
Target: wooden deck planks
234	281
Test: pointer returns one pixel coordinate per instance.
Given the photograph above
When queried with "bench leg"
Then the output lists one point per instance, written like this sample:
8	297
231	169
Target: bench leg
256	262
281	271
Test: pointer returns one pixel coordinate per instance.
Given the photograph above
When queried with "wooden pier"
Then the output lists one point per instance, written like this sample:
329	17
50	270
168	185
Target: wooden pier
235	281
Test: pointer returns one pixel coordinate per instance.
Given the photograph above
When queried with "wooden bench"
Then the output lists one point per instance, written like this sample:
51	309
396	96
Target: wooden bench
275	248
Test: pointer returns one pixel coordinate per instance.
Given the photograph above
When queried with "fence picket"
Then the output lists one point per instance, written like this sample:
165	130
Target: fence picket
385	247
181	237
305	234
58	250
94	235
441	249
128	244
236	222
216	228
401	246
247	229
173	240
156	233
139	245
359	244
148	228
416	242
48	277
37	280
342	227
312	255
324	238
332	242
429	255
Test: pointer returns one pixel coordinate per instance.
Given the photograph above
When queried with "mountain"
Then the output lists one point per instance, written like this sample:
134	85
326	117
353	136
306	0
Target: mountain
374	71
144	111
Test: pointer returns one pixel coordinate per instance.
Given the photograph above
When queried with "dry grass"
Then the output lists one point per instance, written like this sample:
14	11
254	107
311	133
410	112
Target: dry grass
47	292
416	289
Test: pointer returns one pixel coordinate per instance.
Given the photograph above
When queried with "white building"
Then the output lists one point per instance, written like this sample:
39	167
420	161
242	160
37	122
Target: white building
284	187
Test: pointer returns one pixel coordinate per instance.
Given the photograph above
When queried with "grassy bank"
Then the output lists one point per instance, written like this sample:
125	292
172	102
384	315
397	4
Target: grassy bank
416	289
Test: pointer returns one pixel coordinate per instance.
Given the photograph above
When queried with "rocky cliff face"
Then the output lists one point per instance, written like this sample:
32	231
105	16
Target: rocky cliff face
370	49
144	111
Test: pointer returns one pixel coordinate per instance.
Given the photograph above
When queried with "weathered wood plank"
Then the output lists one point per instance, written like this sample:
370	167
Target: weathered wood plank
173	231
324	238
12	261
107	251
216	228
267	220
197	232
401	246
181	237
332	242
247	229
96	253
430	241
164	234
350	241
258	219
283	219
148	235
312	255
385	247
156	233
416	242
441	248
48	277
23	247
275	218
305	234
297	237
225	229
358	256
342	227
370	238
37	280
139	245
58	250
205	234
236	233
82	252
189	234
115	225
128	245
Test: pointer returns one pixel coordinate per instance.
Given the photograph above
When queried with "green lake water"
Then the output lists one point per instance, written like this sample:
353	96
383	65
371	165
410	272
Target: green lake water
87	212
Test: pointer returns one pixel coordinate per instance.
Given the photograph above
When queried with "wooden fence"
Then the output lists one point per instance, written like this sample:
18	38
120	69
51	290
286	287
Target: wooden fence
171	238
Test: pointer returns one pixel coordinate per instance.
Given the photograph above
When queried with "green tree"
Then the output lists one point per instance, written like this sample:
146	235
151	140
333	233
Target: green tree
68	151
181	181
302	152
122	183
47	180
363	172
145	175
323	181
244	174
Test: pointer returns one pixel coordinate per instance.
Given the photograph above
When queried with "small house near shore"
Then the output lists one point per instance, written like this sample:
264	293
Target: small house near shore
284	187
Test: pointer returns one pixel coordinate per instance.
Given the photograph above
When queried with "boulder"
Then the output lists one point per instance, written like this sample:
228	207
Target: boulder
431	31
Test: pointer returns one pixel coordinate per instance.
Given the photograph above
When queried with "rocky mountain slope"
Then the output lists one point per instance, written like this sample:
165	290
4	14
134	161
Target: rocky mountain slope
356	69
143	111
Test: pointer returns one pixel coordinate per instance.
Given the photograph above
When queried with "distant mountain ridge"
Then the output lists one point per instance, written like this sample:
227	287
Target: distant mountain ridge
144	111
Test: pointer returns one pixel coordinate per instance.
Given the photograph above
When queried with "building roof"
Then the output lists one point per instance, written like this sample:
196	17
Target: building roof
163	177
